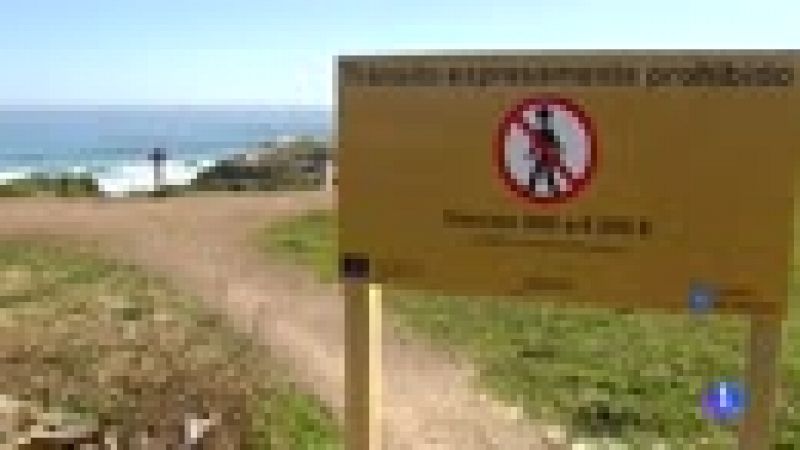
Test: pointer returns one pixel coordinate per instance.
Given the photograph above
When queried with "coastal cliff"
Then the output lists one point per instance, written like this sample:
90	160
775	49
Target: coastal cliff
294	165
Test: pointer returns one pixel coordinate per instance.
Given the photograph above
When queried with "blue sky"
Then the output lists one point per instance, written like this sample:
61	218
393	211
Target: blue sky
271	52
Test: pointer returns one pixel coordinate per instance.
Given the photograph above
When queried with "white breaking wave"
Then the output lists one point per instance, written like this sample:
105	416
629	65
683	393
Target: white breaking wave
139	177
7	177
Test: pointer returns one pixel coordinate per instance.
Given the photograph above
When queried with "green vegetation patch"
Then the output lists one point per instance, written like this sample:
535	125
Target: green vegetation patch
63	185
308	240
302	422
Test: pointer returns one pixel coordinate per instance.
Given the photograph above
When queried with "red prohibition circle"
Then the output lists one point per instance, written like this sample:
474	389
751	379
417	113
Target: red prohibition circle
515	116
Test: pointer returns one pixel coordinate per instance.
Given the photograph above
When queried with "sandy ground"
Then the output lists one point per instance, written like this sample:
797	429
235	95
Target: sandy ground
200	245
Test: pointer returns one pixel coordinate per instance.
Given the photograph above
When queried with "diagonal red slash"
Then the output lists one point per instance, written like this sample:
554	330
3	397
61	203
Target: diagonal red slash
565	174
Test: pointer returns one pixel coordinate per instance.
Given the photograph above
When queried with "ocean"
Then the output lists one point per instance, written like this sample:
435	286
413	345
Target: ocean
112	143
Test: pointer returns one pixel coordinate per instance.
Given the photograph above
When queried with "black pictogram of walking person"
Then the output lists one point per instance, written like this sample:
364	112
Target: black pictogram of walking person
546	149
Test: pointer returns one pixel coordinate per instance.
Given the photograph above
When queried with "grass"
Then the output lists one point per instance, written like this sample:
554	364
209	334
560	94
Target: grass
118	347
86	186
64	185
303	424
633	377
311	240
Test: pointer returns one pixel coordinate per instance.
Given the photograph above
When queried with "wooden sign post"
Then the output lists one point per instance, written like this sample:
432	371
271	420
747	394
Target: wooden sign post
363	368
329	174
757	427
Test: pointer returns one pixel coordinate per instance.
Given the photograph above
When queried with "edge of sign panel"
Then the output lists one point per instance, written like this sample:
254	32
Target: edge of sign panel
484	53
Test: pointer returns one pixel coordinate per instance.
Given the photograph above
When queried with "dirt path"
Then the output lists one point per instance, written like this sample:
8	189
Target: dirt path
200	245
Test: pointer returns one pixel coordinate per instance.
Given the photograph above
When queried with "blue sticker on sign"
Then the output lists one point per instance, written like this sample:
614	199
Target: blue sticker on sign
701	297
724	401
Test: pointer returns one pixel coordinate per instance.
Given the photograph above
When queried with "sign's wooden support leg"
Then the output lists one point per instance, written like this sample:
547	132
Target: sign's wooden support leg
757	428
363	365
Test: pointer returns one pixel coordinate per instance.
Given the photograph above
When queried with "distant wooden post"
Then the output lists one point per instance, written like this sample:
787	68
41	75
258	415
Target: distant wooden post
363	369
158	156
757	428
329	174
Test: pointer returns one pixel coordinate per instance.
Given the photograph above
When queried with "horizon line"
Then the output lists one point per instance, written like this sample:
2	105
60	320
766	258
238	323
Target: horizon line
121	105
